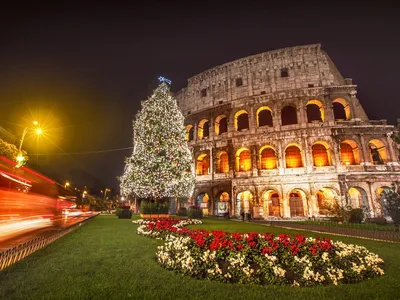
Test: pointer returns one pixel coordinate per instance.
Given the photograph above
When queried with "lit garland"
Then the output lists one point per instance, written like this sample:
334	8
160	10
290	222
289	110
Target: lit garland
161	164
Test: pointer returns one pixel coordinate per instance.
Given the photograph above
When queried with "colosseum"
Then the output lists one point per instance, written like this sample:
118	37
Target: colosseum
282	134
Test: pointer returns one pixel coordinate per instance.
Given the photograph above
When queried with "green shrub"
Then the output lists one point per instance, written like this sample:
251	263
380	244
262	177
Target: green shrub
182	212
124	212
195	212
356	215
149	207
377	221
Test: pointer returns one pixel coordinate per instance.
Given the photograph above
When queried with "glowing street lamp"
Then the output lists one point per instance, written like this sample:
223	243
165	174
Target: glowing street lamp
67	184
20	157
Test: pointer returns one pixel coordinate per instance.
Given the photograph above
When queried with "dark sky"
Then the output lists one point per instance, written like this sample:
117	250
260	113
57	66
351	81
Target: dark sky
85	69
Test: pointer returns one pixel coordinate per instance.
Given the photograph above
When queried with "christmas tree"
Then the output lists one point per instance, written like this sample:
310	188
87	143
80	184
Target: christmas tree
161	164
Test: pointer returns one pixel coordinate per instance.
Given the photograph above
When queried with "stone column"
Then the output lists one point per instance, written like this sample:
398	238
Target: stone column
364	154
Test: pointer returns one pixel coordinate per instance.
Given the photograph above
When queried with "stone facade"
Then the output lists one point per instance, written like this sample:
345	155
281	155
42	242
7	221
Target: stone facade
282	135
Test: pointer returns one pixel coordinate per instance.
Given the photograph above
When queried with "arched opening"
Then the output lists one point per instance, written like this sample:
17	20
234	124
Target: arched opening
203	130
358	198
203	164
222	162
222	204
189	133
264	116
202	201
289	115
349	153
271	202
244	203
327	201
377	151
293	157
341	109
381	198
268	158
296	204
221	124
243	160
321	155
241	120
315	111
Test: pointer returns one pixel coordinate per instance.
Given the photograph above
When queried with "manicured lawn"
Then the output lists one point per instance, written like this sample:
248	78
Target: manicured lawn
106	259
365	226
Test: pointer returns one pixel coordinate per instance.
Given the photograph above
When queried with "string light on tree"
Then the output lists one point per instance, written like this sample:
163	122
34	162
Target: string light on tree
161	164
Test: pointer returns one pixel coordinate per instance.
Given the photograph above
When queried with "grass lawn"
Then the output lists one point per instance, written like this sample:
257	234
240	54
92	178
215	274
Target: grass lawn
106	259
365	226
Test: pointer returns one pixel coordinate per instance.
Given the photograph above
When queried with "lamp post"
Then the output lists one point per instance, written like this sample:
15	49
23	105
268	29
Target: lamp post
66	184
20	157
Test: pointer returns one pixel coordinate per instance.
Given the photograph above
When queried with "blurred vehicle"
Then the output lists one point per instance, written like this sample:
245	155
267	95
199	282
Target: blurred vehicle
28	200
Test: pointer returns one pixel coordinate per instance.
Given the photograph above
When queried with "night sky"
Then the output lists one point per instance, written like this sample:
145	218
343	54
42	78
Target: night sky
82	71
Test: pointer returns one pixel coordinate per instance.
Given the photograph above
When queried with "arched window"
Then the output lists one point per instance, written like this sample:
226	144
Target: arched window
264	116
320	155
341	109
378	153
222	162
349	153
293	157
241	120
243	160
221	124
315	111
267	158
203	129
289	115
203	163
189	133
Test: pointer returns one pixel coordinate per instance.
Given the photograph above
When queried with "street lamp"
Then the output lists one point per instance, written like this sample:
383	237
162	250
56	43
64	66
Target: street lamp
20	157
67	184
105	193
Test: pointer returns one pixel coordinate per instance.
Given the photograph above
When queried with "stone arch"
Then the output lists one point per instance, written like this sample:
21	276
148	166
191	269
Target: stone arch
244	202
293	156
271	203
268	158
203	201
377	152
289	115
321	154
189	133
264	116
222	203
315	111
243	160
380	198
297	200
203	130
241	120
327	200
341	109
349	152
222	162
221	124
203	164
358	197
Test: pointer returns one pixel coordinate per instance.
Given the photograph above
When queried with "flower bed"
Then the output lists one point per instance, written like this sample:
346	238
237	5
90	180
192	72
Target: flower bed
258	258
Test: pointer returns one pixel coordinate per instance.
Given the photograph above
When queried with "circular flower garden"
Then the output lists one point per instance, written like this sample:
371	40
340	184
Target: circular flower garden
258	258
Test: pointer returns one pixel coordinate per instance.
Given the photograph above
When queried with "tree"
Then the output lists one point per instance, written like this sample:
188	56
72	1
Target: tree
161	164
10	151
391	203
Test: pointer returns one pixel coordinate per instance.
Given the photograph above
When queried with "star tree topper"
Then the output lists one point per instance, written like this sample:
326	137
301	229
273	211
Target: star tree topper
163	79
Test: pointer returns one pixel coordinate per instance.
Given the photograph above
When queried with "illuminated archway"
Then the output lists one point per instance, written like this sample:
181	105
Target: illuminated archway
221	124
203	164
189	133
377	152
222	162
268	159
244	202
203	130
222	204
341	109
296	203
289	115
243	160
271	201
315	111
264	116
381	198
202	201
349	152
241	120
293	157
321	154
358	198
327	201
